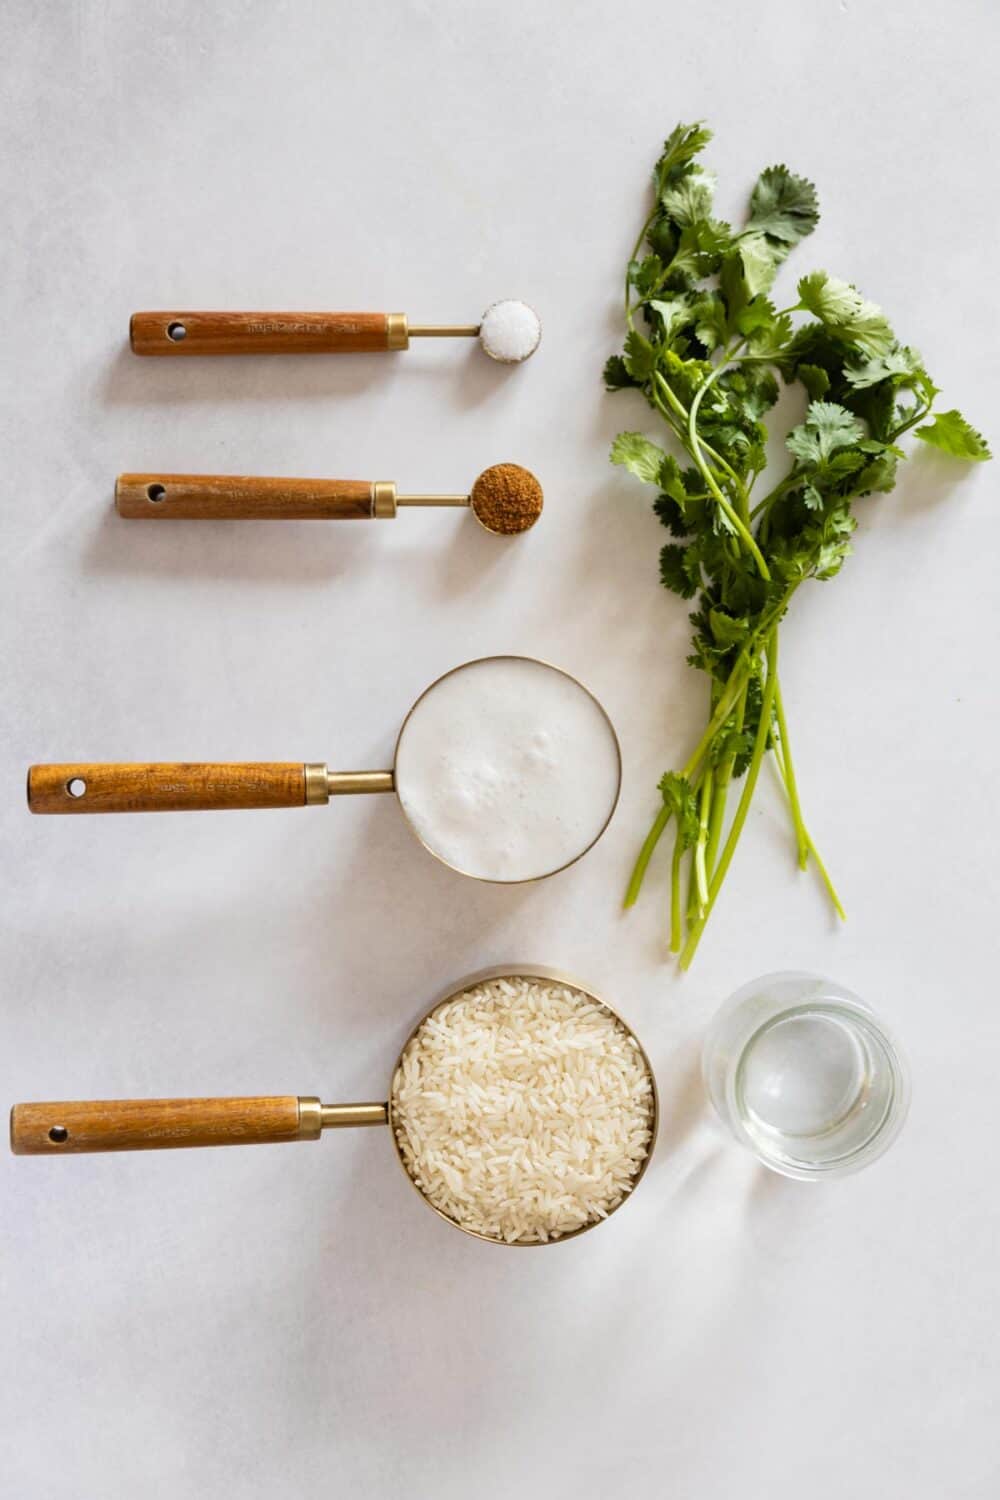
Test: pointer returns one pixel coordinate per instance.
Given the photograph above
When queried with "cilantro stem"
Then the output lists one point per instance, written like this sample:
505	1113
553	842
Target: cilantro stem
817	858
635	252
753	771
918	416
676	936
791	478
737	679
705	802
801	836
678	420
722	780
730	693
694	441
645	855
719	717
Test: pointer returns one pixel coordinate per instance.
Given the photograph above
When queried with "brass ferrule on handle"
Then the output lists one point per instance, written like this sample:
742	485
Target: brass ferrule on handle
315	1117
397	334
384	500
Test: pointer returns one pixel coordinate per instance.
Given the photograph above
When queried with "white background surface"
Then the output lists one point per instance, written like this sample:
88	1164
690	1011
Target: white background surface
250	1323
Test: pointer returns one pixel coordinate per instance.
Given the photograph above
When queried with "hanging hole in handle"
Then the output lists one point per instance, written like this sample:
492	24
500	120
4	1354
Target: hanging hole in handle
58	1135
77	787
156	492
176	332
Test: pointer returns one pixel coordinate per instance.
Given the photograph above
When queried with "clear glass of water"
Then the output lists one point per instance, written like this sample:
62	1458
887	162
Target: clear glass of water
804	1073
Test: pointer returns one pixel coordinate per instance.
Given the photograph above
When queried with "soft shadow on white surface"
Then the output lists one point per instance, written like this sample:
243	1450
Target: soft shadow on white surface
304	553
466	377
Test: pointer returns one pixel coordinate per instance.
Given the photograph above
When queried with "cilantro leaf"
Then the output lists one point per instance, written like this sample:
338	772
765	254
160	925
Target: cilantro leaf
815	379
640	357
782	206
646	275
896	363
678	570
637	454
700	249
950	432
727	631
671	514
711	323
878	475
689	198
682	144
826	428
761	259
671	504
670	479
842	310
673	314
616	376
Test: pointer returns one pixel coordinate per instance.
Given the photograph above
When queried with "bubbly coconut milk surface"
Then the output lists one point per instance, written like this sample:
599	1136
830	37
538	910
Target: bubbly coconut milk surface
507	769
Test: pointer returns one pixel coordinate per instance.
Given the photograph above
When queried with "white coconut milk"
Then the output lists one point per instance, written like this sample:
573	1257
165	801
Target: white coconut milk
507	769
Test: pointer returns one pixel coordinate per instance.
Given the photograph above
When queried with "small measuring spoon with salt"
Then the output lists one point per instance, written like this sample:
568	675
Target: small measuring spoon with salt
505	498
508	331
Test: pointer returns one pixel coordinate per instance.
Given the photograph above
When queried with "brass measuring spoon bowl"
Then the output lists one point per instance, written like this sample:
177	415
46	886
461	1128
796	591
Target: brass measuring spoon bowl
71	1127
505	499
82	787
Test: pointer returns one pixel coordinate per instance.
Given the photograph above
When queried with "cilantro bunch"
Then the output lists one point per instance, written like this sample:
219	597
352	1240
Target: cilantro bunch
706	347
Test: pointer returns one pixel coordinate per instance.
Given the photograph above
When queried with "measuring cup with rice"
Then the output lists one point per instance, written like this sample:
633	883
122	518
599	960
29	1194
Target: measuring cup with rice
522	1108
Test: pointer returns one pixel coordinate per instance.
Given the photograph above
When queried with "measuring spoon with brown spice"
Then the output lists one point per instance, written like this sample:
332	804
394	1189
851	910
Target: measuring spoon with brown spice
505	499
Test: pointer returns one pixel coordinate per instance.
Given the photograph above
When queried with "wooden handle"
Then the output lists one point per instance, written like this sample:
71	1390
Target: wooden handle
151	1124
238	497
196	787
189	333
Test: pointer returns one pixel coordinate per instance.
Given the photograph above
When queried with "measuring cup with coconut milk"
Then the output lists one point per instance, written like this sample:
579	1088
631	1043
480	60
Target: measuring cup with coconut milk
506	768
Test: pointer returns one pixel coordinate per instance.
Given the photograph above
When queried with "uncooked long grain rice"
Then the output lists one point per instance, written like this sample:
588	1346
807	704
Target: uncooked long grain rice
523	1109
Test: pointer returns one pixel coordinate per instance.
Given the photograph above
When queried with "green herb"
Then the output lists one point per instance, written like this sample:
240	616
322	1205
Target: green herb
705	346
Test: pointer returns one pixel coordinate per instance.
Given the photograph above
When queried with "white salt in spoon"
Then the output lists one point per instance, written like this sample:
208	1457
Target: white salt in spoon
509	331
67	1127
506	769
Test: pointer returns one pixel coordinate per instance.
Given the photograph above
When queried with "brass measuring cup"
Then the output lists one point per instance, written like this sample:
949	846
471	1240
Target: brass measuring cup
97	787
65	1127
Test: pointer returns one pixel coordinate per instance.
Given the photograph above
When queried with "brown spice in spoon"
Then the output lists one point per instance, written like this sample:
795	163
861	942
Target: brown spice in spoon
507	499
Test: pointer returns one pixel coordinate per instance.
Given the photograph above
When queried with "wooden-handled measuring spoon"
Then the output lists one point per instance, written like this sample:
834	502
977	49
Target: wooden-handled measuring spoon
505	499
509	331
